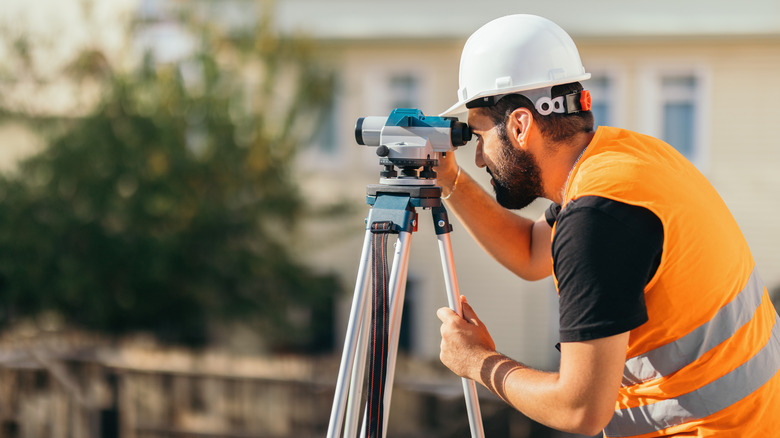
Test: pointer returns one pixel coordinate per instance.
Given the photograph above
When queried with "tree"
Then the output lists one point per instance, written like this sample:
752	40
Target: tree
168	206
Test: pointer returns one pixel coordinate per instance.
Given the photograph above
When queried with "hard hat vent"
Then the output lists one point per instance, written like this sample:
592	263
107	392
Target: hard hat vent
504	82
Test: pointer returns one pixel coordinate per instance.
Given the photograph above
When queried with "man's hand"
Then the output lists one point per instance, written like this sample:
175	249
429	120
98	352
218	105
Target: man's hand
579	398
465	342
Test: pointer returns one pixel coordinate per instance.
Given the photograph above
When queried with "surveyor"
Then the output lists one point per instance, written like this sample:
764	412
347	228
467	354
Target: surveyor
665	326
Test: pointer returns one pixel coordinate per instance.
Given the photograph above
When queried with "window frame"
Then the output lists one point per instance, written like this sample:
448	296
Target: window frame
652	102
316	154
377	87
616	77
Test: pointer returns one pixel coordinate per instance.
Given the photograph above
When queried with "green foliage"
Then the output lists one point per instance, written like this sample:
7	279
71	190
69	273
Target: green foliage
167	208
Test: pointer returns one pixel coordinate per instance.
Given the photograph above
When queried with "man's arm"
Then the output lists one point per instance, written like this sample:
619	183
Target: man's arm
579	398
519	244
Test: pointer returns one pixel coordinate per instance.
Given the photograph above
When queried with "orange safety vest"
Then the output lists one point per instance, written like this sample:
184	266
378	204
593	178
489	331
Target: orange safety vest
706	362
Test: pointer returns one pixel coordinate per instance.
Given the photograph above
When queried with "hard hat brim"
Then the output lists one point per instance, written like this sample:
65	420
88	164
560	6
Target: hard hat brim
458	108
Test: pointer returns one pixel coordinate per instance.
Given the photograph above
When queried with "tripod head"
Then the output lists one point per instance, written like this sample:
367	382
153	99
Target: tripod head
409	140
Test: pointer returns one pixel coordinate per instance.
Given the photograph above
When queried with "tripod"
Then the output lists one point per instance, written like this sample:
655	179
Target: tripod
393	206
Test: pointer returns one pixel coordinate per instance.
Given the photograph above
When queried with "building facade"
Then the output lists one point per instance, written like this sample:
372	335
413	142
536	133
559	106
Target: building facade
696	74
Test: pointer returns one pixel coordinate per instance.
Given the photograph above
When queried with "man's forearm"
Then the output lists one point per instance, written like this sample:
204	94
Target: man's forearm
518	243
539	395
579	398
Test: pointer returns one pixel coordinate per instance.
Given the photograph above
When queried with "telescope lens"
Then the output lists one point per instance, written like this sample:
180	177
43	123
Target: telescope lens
359	131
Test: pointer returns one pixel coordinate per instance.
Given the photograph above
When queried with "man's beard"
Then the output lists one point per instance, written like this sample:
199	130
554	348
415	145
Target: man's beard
517	178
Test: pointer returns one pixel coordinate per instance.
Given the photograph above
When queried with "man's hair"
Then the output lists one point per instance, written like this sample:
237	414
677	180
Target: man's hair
557	127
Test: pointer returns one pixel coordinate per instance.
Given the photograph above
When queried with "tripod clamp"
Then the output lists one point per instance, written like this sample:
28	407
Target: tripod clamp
397	204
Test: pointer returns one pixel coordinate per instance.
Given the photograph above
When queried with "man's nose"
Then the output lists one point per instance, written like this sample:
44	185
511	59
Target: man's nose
479	159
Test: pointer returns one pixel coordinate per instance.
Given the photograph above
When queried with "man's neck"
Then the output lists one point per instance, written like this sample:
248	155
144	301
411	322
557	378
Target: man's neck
558	165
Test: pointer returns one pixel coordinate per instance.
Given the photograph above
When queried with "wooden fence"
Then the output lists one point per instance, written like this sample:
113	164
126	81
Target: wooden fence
76	389
80	390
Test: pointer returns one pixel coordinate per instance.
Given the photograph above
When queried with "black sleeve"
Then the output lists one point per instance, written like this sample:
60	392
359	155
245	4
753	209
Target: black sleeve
551	214
604	254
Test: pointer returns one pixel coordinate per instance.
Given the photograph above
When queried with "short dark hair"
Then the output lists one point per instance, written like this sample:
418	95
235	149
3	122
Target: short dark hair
557	127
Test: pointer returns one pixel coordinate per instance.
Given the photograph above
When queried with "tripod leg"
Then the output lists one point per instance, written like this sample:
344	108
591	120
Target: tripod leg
397	287
351	342
358	373
441	222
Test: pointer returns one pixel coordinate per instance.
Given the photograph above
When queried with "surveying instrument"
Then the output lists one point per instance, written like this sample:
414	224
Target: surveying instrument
406	140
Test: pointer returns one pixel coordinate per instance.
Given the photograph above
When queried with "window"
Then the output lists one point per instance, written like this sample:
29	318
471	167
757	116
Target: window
678	94
674	102
388	88
324	146
403	91
326	139
388	84
601	91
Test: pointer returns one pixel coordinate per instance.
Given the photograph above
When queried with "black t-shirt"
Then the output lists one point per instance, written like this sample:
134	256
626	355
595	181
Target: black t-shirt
604	254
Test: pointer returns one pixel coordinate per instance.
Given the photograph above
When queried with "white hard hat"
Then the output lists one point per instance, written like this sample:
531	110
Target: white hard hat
523	54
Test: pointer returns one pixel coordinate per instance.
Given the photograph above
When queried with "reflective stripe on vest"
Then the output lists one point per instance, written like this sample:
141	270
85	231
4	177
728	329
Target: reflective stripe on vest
674	356
704	401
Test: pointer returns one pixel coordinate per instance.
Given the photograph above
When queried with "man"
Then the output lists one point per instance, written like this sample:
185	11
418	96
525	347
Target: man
666	328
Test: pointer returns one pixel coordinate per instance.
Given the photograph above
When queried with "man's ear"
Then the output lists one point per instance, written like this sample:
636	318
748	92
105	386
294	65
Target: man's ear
518	126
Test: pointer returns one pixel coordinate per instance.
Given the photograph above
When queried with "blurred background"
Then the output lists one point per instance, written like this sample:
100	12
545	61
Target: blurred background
182	198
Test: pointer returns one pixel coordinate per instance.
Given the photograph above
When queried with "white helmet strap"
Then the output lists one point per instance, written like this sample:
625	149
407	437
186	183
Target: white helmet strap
545	106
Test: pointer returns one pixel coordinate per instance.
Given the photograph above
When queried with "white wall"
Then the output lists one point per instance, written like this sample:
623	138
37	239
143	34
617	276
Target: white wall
740	154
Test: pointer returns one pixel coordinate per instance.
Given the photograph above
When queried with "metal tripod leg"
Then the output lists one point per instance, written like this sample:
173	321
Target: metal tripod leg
358	309
358	373
397	288
442	225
